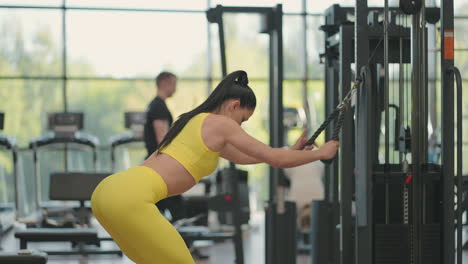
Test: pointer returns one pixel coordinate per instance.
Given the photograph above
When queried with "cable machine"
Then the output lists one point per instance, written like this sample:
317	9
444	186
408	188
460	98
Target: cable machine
404	201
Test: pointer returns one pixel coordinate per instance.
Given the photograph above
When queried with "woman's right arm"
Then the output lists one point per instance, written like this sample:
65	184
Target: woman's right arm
277	157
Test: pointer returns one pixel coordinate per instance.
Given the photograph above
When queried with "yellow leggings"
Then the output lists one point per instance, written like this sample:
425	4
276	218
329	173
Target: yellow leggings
124	204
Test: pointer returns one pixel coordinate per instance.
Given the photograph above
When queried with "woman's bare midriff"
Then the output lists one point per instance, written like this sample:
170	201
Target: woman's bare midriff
177	178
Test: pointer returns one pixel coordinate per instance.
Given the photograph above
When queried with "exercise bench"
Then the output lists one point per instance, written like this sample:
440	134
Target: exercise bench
23	257
70	186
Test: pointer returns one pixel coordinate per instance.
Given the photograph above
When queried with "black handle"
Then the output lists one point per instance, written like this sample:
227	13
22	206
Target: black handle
396	126
458	80
339	114
336	133
330	118
322	127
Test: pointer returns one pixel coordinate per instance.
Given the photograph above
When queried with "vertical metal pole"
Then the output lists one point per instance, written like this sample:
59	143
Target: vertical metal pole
16	180
423	82
37	179
446	59
64	73
423	136
236	216
387	113
401	90
386	89
112	151
324	213
432	80
95	158
64	56
305	78
273	126
332	81
278	77
222	46
276	93
222	50
271	221
363	234
276	249
346	142
416	141
209	57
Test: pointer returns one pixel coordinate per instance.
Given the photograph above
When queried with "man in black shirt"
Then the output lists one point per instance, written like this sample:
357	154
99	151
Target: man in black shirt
158	116
158	121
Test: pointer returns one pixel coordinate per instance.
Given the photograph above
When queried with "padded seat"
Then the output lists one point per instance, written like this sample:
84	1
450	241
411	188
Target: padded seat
77	236
87	235
23	257
58	234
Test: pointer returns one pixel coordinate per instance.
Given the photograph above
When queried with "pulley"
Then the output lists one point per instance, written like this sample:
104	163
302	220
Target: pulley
410	7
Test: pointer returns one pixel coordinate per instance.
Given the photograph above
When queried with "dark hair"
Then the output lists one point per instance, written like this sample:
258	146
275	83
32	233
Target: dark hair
163	76
233	86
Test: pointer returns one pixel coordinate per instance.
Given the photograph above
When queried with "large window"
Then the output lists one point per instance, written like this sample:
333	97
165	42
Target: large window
30	42
135	44
288	6
141	4
26	104
246	47
53	3
293	46
315	46
105	101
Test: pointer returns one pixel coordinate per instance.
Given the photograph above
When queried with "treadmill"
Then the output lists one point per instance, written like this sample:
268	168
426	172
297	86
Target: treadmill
65	136
135	123
8	201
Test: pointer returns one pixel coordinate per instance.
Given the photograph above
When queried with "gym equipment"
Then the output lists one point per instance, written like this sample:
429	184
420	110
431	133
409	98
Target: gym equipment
23	257
332	218
135	122
337	115
277	245
405	212
64	135
70	186
224	185
7	211
8	204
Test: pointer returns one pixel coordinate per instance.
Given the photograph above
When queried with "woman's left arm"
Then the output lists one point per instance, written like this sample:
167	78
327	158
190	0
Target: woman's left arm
231	153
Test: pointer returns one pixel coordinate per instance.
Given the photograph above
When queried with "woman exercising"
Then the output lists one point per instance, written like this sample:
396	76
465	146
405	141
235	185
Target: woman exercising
124	202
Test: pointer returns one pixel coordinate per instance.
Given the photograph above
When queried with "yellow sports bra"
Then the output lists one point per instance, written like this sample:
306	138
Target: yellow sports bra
190	150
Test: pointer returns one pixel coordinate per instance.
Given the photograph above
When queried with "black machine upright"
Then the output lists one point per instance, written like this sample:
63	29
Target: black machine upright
280	223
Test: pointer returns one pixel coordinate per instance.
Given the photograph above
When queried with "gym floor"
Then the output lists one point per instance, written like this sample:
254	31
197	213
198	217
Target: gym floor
219	253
